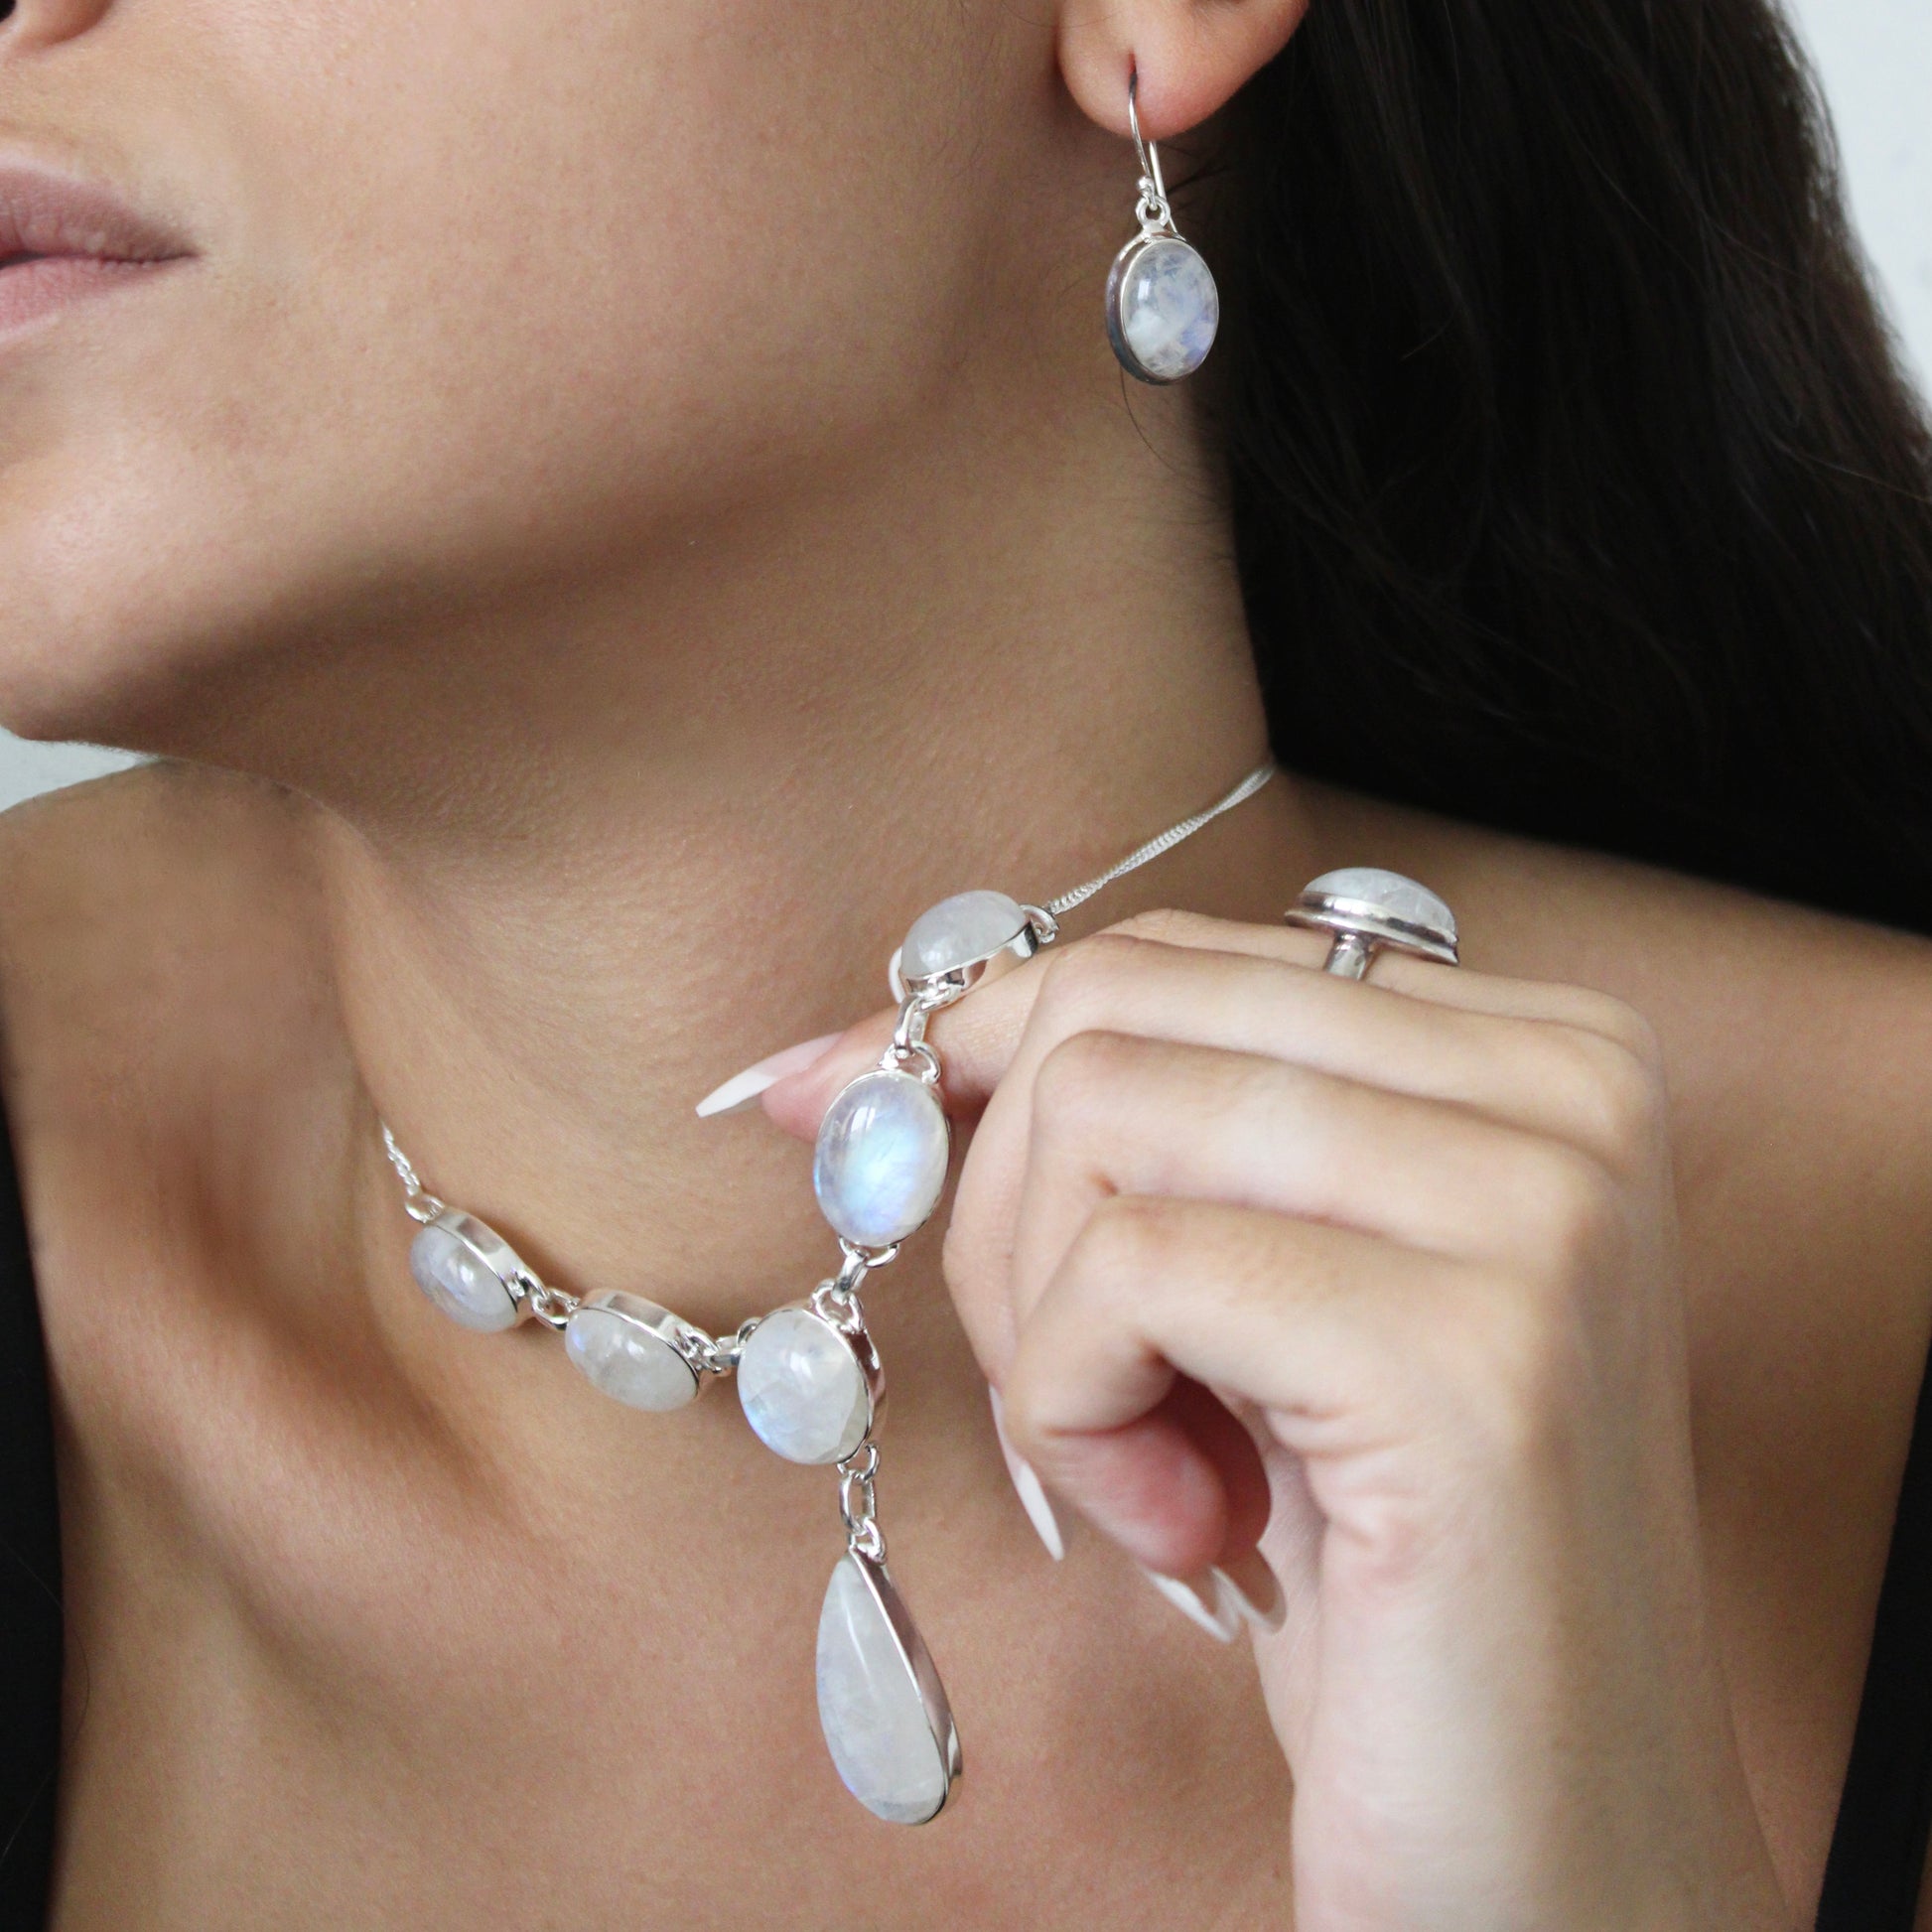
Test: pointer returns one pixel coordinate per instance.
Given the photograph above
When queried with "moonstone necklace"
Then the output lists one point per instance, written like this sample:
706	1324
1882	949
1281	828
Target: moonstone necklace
808	1375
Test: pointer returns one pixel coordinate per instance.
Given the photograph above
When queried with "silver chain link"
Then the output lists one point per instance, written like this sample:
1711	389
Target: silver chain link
1167	841
418	1203
859	1502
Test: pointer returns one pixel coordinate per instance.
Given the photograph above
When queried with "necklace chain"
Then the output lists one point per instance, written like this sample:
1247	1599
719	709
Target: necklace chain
1166	841
714	1355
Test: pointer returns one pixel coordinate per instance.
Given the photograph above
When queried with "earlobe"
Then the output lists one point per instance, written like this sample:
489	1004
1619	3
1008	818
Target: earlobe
1191	56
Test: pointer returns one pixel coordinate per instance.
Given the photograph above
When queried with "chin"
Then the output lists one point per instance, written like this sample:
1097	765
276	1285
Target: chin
126	605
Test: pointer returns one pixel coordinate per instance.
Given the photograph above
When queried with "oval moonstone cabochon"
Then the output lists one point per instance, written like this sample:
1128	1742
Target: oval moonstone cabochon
1164	309
448	1260
960	931
881	1161
1390	894
805	1391
620	1345
881	1703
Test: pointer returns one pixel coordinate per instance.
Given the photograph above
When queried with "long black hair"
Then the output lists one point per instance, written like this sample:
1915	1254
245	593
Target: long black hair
1576	489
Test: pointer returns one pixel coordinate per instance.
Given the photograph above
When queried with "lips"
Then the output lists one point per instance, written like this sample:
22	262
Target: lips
61	238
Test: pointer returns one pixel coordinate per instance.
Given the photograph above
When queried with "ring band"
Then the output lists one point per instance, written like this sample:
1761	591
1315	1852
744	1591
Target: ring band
1369	910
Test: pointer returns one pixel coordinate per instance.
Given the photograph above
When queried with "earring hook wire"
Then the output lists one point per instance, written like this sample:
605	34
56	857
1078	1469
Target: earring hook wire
1149	151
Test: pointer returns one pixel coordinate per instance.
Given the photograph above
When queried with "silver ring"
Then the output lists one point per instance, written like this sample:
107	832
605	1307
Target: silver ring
1369	910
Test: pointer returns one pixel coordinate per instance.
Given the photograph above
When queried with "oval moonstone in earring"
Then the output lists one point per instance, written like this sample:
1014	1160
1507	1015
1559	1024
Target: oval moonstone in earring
1162	307
881	1163
809	1387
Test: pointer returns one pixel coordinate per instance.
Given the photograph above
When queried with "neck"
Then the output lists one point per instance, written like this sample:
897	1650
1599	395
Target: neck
593	853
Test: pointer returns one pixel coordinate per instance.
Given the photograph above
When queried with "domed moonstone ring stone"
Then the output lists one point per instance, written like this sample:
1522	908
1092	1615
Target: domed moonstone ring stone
1369	909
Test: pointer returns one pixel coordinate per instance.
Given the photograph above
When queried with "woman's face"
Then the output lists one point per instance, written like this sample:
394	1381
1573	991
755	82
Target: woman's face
468	293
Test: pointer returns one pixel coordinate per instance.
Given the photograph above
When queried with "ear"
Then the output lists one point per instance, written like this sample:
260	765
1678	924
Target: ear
1190	56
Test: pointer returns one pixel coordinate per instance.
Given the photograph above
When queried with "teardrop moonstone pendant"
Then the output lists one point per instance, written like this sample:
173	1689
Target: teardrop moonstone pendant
882	1707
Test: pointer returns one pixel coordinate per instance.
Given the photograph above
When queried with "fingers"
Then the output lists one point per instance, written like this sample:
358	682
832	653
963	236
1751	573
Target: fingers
1315	1135
1119	1114
1418	1027
1351	1345
1544	1075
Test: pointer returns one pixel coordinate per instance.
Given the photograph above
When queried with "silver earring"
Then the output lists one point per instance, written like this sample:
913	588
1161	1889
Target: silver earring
1162	307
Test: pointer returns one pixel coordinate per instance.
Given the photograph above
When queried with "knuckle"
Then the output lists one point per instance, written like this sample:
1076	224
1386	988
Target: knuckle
1087	977
1079	1079
1573	1210
1618	1022
1126	1238
1162	923
1529	1362
1618	1095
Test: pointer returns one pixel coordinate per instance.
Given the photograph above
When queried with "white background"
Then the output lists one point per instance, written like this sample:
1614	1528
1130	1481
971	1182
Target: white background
1874	57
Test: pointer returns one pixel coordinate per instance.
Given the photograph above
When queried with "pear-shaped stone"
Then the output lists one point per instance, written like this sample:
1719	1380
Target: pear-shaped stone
880	1699
625	1347
881	1161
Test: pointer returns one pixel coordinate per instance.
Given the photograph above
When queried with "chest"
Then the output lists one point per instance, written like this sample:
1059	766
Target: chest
335	1665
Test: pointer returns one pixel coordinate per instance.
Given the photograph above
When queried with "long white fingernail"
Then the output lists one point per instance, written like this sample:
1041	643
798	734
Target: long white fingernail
1205	1599
1248	1585
1033	1496
743	1089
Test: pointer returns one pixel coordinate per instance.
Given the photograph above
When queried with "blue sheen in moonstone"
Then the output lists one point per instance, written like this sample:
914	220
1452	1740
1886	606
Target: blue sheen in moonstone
881	1164
1170	309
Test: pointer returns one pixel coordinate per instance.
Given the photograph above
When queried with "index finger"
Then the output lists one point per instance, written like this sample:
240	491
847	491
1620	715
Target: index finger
978	1038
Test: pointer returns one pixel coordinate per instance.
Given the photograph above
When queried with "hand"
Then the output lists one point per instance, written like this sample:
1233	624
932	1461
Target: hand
1418	1233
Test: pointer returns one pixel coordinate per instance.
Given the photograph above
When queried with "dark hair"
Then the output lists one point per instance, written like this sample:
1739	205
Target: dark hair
1576	486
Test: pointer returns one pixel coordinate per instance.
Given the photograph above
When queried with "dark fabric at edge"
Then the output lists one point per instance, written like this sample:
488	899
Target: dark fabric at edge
1878	1858
30	1580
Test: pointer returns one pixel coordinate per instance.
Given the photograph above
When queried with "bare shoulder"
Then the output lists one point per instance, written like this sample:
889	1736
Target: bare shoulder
159	928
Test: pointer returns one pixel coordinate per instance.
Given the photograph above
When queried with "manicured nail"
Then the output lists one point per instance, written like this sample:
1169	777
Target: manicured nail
743	1089
1248	1585
1032	1497
1205	1599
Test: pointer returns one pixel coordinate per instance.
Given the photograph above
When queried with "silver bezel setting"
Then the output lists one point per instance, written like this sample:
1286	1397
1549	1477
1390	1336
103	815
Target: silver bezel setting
849	1324
1361	918
924	1673
936	990
496	1255
1116	333
671	1333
